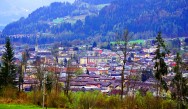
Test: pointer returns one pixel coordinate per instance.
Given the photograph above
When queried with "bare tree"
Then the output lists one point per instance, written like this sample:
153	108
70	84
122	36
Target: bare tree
68	77
122	43
39	65
25	56
54	52
71	70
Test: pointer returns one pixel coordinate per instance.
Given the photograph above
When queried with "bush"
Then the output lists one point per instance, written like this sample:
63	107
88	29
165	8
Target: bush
9	92
52	99
35	97
94	100
86	100
113	102
129	102
56	100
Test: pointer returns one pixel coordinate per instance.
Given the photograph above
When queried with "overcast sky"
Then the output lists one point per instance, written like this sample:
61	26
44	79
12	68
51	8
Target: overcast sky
11	10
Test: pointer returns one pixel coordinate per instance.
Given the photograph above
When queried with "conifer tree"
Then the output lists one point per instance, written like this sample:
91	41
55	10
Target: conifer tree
8	72
179	82
160	65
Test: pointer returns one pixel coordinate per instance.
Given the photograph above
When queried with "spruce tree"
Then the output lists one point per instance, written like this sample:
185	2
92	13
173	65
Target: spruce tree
179	82
160	65
8	72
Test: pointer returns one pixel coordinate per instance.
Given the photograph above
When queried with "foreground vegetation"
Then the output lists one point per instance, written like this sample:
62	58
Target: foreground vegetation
16	106
83	100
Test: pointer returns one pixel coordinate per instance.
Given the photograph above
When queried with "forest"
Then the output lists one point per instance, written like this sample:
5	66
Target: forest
142	17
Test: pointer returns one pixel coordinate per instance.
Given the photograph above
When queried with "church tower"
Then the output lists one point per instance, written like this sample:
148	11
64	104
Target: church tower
36	43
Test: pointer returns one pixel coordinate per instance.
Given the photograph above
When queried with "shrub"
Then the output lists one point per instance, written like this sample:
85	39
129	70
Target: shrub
87	100
9	92
56	100
113	102
168	104
129	102
35	97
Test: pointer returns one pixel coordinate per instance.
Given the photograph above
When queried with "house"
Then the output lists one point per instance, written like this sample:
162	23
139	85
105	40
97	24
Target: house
78	85
94	84
94	77
83	76
93	59
93	70
106	79
103	71
83	60
98	50
28	84
61	59
105	87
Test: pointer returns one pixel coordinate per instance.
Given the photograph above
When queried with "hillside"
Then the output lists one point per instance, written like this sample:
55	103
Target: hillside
86	18
144	17
45	19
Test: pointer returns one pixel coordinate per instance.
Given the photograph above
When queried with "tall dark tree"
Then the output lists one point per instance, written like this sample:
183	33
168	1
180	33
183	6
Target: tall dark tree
65	62
68	78
179	82
8	72
186	41
49	82
94	44
87	71
160	65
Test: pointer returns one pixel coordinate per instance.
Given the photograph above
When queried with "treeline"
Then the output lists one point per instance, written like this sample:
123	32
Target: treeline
96	2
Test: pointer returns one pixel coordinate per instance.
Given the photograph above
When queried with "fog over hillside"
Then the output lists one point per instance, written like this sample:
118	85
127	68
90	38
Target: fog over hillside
12	10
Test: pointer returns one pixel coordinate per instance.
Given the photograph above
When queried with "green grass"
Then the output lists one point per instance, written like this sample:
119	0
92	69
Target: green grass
137	41
17	106
131	42
58	20
69	19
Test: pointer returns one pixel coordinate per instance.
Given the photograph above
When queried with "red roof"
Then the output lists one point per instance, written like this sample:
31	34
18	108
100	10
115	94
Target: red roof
133	71
92	69
173	64
54	69
90	63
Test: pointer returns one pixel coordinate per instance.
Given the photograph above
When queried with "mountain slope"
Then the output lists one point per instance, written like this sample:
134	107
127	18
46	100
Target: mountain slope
87	18
142	16
51	18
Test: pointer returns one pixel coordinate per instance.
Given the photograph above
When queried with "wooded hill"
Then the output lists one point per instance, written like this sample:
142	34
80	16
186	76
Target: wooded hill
86	18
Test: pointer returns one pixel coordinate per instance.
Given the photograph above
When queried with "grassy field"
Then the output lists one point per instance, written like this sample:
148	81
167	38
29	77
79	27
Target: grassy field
132	42
58	20
69	19
137	41
16	106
